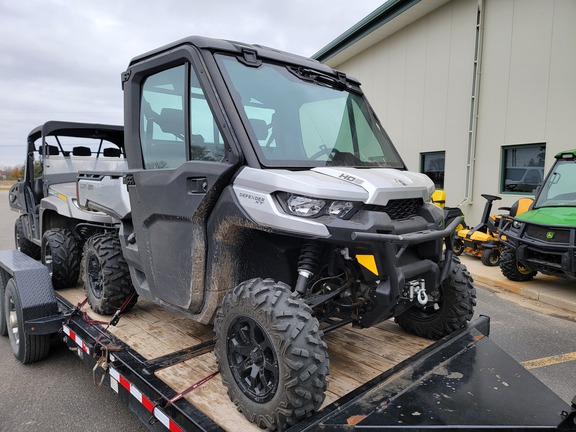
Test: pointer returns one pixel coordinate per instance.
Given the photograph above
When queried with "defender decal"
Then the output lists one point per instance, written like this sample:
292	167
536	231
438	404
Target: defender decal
256	199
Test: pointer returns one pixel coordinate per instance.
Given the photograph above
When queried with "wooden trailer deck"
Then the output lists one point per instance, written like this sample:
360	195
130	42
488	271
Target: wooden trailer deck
356	355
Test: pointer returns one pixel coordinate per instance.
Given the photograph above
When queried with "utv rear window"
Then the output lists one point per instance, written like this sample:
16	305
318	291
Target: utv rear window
303	118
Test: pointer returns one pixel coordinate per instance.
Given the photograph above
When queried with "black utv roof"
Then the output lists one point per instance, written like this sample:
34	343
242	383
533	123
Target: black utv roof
237	48
112	133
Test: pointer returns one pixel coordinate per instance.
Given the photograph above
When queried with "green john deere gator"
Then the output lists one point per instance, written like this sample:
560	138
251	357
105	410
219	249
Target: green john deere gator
544	238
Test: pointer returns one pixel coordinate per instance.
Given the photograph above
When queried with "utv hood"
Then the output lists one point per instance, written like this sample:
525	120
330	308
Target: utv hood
550	216
370	186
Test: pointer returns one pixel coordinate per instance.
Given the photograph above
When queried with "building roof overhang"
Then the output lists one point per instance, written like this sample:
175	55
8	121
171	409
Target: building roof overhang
384	21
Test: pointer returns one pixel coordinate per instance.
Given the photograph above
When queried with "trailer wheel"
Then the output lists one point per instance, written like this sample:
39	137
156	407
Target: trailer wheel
22	243
106	275
458	247
26	348
451	312
271	355
490	257
514	269
61	254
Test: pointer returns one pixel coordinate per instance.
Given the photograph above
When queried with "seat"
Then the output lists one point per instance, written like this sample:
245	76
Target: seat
171	120
52	150
112	152
81	151
260	128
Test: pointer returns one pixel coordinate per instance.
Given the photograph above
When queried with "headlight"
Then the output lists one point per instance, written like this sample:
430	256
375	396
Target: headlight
516	225
304	206
299	205
340	208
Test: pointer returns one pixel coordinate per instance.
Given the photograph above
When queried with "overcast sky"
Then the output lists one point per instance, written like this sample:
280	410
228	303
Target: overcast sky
62	59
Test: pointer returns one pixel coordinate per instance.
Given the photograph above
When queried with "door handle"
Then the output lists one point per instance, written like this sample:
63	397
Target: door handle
196	185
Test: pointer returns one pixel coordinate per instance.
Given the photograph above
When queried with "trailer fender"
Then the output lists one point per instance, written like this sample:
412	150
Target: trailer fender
34	289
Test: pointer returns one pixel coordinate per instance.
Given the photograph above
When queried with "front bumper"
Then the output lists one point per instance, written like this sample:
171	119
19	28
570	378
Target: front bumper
390	249
549	250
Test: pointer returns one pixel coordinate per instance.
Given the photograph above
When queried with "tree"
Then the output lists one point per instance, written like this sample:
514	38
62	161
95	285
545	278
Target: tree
16	172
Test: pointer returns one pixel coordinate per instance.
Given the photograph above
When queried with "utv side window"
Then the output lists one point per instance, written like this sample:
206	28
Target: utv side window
162	119
163	126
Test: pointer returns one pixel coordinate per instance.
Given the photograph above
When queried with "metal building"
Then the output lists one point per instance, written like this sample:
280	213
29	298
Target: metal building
479	94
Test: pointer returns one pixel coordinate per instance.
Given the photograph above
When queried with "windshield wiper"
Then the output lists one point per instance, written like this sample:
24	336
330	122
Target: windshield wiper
338	82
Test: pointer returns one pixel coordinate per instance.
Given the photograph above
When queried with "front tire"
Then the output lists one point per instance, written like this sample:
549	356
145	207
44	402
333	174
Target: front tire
454	308
490	257
26	348
514	269
105	275
61	254
271	355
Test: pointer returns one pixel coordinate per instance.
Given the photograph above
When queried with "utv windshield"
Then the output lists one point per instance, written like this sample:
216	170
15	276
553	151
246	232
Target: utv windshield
303	118
558	190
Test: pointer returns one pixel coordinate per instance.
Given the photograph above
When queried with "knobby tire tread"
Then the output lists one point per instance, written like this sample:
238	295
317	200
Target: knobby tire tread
117	283
303	353
65	256
509	267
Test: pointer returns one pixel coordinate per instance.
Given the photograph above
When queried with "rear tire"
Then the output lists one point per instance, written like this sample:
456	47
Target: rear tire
455	307
106	275
22	243
61	254
271	355
26	348
512	268
490	257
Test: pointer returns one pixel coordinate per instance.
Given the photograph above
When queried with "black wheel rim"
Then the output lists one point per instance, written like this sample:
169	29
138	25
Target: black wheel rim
252	360
95	279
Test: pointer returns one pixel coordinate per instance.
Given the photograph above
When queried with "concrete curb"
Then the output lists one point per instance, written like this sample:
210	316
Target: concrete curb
547	289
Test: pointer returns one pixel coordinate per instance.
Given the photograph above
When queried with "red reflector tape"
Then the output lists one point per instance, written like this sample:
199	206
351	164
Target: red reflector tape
145	401
76	339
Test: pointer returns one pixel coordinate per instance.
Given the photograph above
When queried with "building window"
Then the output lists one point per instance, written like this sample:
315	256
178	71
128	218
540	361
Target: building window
523	168
432	164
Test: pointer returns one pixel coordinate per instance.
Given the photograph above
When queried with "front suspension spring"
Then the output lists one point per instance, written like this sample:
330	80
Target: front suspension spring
307	264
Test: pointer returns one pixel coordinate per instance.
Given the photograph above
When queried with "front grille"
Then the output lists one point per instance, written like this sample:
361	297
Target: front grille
399	209
546	234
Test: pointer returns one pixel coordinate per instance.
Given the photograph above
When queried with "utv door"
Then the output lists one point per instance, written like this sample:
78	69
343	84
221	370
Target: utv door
21	198
183	168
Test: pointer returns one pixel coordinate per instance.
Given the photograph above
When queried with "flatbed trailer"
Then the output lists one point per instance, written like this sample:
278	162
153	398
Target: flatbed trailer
381	378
